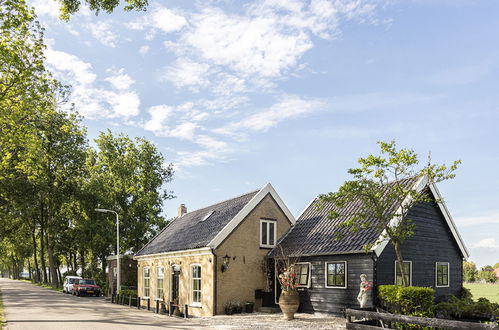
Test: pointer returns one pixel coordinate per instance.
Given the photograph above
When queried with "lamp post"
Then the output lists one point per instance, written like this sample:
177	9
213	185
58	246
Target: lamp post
117	245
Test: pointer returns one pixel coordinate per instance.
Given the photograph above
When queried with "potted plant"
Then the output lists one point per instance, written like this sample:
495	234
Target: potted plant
238	307
289	300
248	306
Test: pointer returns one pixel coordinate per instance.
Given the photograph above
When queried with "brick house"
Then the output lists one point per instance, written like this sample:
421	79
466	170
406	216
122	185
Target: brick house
128	272
214	255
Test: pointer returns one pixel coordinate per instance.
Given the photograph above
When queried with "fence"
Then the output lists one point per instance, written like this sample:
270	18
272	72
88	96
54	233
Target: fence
387	319
122	300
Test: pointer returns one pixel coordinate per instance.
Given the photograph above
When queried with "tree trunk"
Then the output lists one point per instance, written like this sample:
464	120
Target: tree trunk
400	260
50	252
42	245
35	256
82	261
29	270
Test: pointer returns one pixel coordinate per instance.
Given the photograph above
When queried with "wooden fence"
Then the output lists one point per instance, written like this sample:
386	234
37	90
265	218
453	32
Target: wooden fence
387	318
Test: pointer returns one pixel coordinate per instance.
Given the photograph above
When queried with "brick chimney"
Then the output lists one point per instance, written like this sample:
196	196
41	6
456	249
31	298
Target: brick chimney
182	210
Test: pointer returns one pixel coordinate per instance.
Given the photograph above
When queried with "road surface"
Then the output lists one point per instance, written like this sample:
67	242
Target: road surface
28	306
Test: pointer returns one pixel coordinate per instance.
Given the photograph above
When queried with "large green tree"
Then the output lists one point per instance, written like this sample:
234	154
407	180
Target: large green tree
470	273
380	206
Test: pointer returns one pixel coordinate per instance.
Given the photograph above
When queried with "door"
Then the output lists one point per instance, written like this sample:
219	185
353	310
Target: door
175	283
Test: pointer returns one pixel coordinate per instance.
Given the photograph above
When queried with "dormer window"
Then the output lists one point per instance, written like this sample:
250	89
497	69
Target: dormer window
268	233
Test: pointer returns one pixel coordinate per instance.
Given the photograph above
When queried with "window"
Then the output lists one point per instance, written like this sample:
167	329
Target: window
159	282
442	274
268	233
407	271
336	274
146	283
196	285
302	270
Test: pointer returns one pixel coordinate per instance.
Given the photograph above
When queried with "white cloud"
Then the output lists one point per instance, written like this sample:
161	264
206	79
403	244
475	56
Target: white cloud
144	50
103	31
159	116
187	73
288	107
486	219
159	19
46	8
90	100
119	79
486	243
184	131
462	75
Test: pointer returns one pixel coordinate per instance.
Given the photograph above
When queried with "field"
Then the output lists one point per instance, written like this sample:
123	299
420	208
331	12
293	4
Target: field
489	291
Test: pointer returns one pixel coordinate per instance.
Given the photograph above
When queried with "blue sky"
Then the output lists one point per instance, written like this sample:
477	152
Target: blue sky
239	93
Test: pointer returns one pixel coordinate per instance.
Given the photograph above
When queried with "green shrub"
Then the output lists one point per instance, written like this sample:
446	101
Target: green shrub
466	308
128	292
411	300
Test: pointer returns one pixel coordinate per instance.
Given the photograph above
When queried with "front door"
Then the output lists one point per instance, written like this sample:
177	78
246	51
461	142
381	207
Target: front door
175	283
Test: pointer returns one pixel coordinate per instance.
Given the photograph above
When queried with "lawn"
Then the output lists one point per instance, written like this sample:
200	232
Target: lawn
489	291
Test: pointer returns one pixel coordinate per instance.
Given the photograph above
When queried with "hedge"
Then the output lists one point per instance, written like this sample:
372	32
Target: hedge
410	300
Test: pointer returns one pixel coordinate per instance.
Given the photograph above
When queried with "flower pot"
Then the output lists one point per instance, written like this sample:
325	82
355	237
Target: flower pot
289	301
249	307
229	311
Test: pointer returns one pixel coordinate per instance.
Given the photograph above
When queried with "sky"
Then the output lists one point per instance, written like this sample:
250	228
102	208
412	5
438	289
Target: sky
240	93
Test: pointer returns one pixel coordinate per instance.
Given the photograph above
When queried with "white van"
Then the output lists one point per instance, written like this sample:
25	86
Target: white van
68	283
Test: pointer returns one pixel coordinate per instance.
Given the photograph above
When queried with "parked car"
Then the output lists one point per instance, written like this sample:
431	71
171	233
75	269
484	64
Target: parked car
67	286
86	286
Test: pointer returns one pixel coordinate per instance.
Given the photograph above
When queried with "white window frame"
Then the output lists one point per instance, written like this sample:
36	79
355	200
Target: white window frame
267	221
309	274
158	297
325	274
144	282
436	274
191	288
410	272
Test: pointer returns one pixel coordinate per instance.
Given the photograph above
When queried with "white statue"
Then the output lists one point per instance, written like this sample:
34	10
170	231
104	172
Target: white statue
365	285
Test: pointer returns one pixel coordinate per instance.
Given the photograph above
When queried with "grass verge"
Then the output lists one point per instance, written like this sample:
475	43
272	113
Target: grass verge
489	291
43	285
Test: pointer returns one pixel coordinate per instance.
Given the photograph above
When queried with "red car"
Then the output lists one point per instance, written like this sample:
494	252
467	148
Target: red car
86	286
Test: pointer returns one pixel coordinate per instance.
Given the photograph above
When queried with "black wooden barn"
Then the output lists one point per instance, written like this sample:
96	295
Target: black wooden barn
330	268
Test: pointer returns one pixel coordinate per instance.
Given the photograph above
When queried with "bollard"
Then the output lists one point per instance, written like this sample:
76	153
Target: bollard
116	298
112	298
138	302
186	311
130	301
122	299
170	308
157	306
148	304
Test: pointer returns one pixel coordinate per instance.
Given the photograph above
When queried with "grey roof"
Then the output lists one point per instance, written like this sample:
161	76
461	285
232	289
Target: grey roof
315	234
197	228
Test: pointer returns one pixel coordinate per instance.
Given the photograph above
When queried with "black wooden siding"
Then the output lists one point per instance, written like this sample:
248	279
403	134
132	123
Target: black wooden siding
320	299
432	242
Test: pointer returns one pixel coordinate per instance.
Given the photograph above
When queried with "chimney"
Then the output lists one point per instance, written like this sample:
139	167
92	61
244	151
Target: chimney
182	210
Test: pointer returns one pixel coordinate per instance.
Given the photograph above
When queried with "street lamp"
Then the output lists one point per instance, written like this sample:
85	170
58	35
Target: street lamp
117	244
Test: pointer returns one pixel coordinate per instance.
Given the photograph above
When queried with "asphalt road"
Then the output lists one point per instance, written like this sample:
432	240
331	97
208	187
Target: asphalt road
28	306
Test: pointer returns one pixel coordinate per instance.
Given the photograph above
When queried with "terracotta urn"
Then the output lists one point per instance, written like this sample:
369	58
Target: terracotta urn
289	302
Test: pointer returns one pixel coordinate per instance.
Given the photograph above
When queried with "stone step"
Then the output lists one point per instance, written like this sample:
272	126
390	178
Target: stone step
269	310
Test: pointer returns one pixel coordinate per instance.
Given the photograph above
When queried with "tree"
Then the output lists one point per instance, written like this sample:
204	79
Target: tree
470	273
70	7
487	276
379	185
487	268
496	265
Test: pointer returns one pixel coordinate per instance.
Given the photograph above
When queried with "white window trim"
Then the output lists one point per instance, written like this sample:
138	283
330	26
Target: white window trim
157	278
309	274
191	291
325	275
267	221
436	274
143	278
410	272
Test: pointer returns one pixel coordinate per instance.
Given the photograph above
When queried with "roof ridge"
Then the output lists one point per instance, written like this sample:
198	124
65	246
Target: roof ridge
223	201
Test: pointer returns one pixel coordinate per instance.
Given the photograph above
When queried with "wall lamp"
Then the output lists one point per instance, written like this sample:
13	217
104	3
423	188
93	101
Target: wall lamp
225	263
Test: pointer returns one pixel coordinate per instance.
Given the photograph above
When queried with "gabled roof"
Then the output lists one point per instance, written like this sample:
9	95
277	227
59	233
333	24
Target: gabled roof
211	225
315	234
